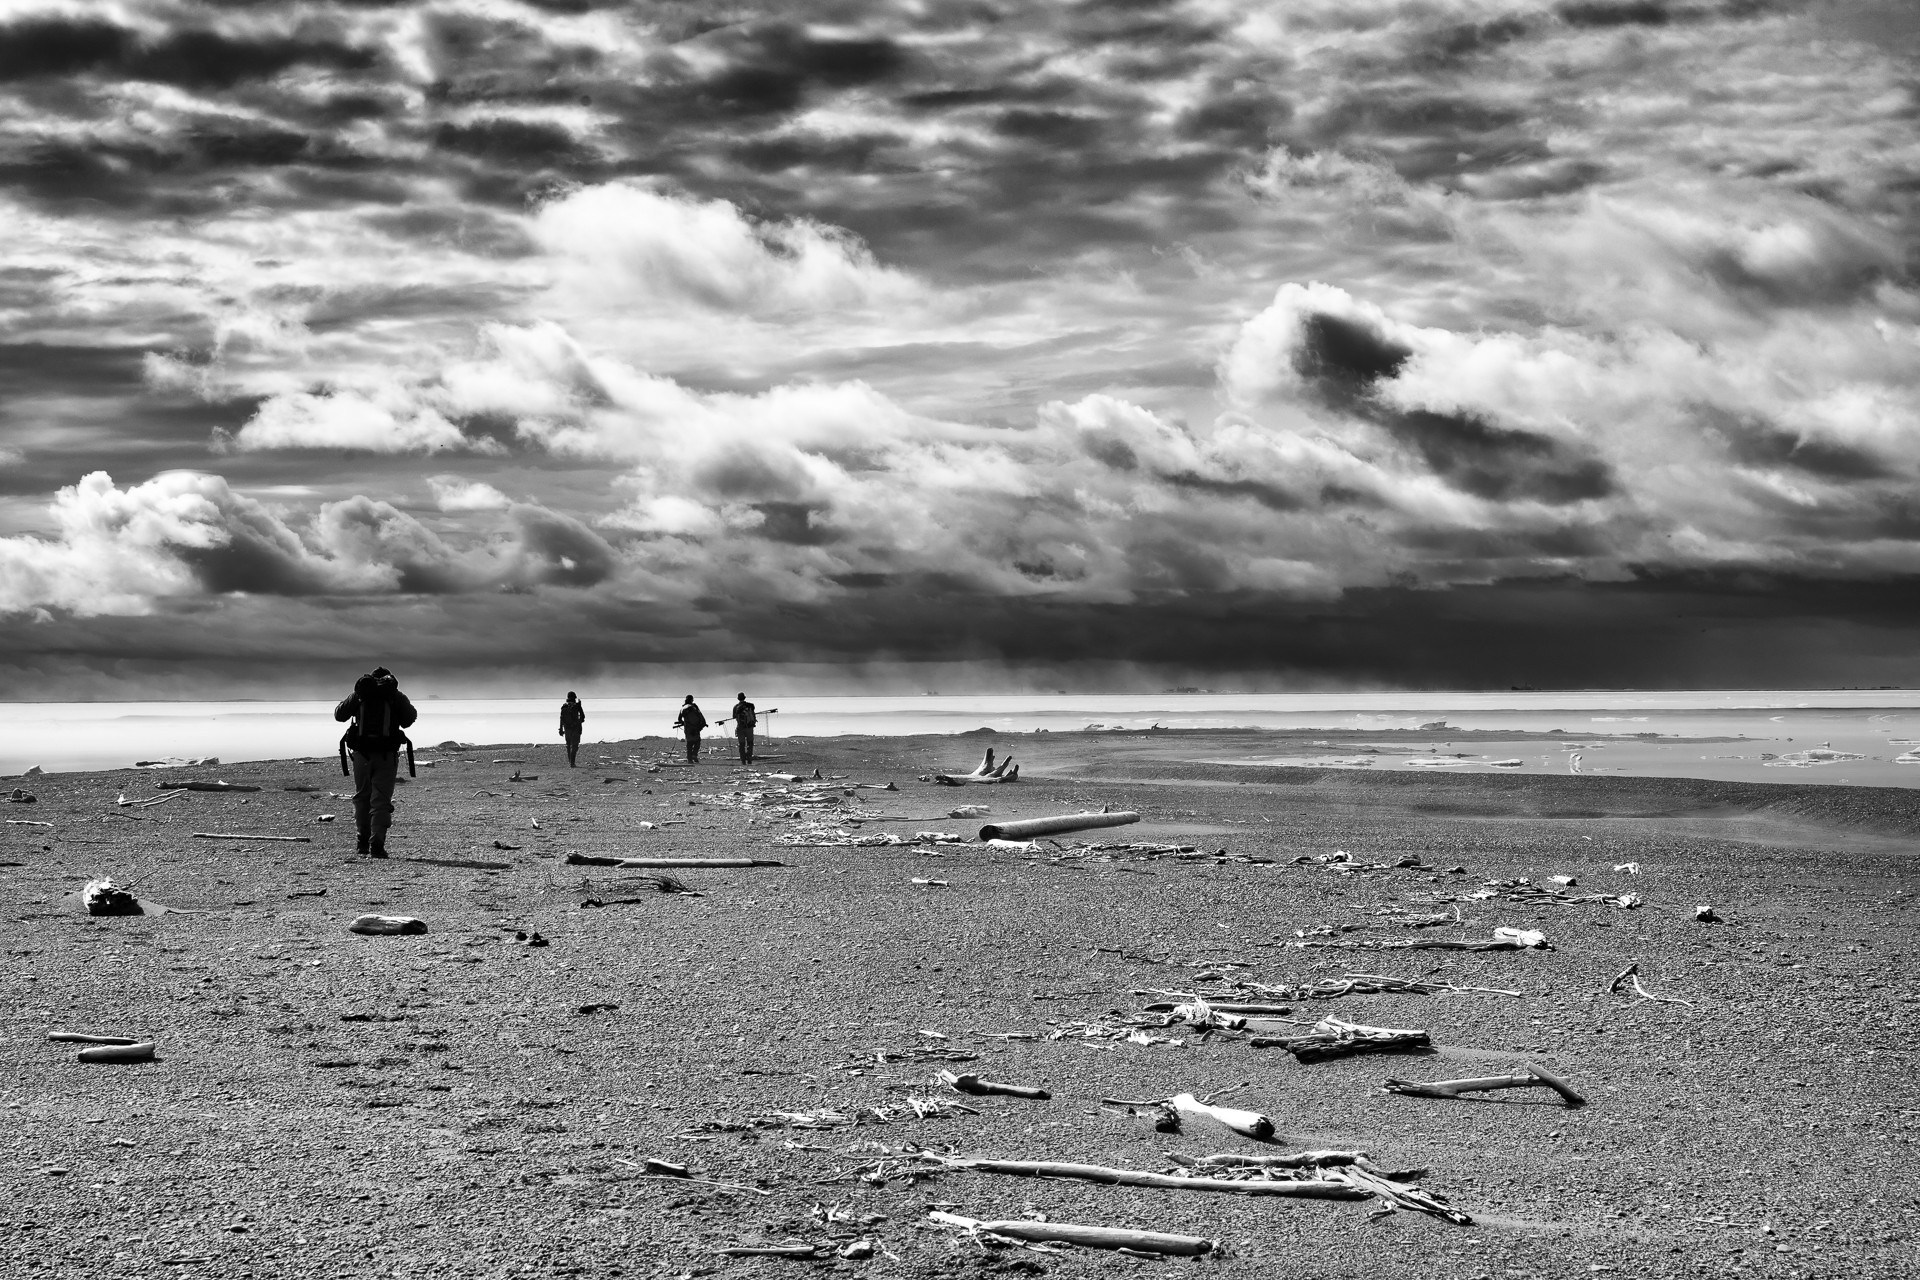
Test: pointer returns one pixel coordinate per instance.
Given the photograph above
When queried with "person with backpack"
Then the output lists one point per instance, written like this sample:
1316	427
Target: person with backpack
744	719
691	721
573	714
380	714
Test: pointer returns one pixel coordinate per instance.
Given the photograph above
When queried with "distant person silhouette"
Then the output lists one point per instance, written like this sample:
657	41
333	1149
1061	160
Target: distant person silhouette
380	715
744	719
573	714
691	721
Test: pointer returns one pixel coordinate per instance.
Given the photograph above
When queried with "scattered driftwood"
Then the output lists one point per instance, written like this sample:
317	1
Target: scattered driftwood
1632	974
1352	984
1027	828
1160	1242
81	1037
1336	1038
228	835
988	772
1536	1078
969	1083
387	926
204	786
1290	1187
138	1052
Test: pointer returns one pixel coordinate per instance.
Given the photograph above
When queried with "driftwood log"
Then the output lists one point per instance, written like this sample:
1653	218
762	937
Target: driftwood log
1027	828
140	1052
387	926
1087	1237
988	772
969	1083
227	835
598	860
1336	1038
81	1037
204	786
1248	1124
1291	1188
1536	1078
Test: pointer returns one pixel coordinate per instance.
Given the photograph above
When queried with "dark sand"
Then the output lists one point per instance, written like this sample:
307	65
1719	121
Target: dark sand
484	1126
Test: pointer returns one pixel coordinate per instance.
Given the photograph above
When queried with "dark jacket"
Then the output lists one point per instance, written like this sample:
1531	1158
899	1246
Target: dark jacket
744	716
572	716
380	713
692	719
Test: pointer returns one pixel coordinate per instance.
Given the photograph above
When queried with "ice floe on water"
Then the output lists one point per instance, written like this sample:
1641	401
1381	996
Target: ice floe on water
1812	757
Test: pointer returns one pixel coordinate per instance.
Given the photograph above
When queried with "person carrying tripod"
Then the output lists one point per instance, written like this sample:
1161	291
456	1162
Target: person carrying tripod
691	721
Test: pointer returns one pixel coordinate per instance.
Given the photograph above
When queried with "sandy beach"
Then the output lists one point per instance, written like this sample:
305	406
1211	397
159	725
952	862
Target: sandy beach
465	1102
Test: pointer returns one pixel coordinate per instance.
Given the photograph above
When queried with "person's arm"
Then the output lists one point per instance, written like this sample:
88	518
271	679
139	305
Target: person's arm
407	714
347	707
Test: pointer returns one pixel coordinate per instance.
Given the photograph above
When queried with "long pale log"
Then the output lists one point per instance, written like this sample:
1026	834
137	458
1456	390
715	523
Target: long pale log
1087	1237
1301	1189
81	1037
140	1052
1292	1160
229	835
1536	1078
1027	828
1248	1124
973	1084
204	786
698	862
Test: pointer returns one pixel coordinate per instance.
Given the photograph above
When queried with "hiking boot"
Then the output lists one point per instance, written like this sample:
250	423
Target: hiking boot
379	849
360	845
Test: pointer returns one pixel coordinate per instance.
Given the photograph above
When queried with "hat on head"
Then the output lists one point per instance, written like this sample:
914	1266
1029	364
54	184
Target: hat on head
689	697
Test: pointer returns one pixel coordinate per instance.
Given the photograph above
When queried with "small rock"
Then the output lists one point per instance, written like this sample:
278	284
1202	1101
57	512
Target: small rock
1705	915
857	1250
325	817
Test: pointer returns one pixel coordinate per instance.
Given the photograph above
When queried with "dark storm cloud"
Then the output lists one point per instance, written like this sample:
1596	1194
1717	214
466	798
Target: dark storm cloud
1345	361
189	59
1498	463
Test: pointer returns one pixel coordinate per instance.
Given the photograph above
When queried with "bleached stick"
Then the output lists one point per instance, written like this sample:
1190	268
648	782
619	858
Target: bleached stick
1088	1237
226	835
1297	1189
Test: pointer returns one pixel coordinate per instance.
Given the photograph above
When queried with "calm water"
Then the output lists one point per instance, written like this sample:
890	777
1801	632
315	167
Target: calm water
1879	727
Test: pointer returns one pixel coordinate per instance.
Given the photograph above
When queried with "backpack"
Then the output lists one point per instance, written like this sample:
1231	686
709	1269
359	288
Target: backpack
377	718
744	716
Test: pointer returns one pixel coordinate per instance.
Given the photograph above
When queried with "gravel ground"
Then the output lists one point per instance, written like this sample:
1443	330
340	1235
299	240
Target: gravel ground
328	1104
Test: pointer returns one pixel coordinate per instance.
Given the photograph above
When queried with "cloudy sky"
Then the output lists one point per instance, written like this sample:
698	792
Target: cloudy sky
1416	342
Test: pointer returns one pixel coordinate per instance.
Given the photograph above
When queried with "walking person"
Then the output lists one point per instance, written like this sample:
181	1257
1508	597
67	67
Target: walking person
573	714
380	714
744	719
691	721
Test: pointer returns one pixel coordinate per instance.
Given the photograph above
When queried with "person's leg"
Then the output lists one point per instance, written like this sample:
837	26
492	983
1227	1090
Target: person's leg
573	749
385	771
362	791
